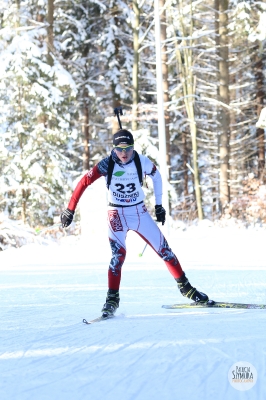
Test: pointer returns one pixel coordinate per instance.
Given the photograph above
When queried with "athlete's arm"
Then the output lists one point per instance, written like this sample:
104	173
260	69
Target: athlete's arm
95	173
154	174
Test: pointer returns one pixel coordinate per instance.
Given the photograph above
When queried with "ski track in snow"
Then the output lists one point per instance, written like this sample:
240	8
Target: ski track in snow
145	352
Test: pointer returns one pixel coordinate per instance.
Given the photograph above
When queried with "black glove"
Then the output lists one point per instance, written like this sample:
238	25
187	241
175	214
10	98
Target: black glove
160	214
67	217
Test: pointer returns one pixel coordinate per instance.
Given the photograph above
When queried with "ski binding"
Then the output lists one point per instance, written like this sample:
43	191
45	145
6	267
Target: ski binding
101	318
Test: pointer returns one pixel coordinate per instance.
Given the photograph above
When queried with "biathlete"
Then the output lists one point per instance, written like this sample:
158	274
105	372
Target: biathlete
124	170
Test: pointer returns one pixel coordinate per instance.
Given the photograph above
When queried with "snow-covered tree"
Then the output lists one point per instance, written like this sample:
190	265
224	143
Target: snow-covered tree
65	64
35	122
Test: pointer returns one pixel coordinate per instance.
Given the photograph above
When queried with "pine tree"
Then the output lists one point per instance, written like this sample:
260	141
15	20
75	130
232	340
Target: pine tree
35	117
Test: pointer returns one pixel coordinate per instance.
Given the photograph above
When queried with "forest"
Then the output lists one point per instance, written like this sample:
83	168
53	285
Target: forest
66	64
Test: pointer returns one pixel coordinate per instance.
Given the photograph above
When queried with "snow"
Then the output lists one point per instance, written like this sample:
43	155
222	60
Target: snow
260	32
145	352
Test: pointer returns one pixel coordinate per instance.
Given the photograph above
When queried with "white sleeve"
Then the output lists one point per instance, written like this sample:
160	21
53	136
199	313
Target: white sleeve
151	170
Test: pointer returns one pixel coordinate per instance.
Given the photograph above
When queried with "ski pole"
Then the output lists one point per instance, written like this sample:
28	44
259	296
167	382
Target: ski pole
141	254
117	111
47	228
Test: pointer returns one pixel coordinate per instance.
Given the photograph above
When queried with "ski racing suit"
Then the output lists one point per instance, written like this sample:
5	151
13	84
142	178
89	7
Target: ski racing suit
127	211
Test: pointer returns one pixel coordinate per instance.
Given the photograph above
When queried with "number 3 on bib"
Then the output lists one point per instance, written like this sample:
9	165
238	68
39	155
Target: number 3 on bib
121	188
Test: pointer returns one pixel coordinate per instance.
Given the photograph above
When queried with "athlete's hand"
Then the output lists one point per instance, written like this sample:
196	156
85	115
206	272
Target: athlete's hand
160	214
67	217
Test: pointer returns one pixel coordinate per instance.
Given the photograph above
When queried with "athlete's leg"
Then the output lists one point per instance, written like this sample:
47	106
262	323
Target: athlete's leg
117	232
150	232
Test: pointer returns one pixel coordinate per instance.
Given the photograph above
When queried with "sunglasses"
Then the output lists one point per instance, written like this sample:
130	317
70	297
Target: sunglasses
126	148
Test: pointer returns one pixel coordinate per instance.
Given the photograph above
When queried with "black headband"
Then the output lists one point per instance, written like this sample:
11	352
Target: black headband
123	136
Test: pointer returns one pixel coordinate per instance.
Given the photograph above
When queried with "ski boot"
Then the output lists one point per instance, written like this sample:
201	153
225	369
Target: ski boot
189	291
112	303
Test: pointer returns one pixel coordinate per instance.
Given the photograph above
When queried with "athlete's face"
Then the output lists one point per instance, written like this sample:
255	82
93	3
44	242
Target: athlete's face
124	152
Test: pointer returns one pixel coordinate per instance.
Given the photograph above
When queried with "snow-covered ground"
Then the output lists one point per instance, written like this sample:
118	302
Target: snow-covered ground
146	352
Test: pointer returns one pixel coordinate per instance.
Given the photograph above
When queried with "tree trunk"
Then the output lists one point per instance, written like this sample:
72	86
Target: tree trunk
217	43
50	32
17	19
234	162
116	96
86	132
185	62
224	117
193	129
25	194
135	77
260	95
185	161
165	81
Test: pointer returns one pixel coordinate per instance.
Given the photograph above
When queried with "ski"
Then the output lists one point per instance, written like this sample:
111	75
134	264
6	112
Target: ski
101	318
216	304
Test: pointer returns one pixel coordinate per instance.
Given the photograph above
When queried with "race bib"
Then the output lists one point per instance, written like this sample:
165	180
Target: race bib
125	187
